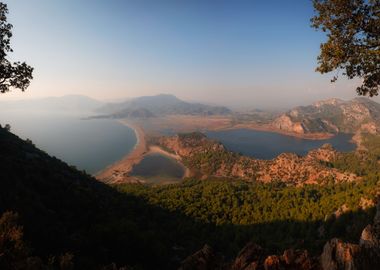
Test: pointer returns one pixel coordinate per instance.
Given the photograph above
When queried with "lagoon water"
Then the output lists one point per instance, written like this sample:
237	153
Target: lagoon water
89	145
268	145
157	166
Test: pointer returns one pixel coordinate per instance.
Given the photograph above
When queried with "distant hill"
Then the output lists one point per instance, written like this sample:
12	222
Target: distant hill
333	116
75	103
160	105
133	113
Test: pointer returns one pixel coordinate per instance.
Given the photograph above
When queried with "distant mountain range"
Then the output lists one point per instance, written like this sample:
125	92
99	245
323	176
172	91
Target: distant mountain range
332	116
75	103
159	105
326	116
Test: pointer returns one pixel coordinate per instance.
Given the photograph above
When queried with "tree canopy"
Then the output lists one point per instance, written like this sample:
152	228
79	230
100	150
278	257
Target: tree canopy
16	74
353	40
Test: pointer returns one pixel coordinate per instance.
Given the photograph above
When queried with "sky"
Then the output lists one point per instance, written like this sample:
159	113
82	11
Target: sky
253	54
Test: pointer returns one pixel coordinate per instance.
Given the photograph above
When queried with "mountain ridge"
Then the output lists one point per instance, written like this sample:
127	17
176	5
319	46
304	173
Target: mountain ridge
163	104
331	116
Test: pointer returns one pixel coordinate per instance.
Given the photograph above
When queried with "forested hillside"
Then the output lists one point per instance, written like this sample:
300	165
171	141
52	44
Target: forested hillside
68	219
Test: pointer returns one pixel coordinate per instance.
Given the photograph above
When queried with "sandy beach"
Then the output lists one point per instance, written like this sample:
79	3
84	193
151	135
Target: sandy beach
119	171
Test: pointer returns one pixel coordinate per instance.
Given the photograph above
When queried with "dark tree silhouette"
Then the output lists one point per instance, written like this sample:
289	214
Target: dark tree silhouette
353	40
12	75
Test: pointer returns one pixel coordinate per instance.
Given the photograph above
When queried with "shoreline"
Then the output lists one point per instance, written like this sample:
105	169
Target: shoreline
306	136
118	171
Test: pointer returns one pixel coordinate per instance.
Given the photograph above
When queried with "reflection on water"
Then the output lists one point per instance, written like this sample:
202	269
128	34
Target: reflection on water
268	145
156	167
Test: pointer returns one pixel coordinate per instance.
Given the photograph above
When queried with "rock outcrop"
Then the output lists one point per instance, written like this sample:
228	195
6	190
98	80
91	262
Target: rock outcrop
286	123
338	255
253	257
331	116
204	259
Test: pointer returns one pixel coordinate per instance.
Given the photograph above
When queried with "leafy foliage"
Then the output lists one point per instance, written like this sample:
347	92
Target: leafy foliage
12	75
353	45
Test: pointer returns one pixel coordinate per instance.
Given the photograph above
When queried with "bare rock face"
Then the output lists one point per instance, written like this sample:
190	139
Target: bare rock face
250	257
298	259
331	116
339	255
204	259
285	123
253	257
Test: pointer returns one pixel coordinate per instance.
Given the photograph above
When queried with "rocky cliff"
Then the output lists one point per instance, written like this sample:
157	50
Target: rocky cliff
207	157
331	116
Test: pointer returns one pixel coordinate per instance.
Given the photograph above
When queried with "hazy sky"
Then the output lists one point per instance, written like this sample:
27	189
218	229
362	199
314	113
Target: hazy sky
253	53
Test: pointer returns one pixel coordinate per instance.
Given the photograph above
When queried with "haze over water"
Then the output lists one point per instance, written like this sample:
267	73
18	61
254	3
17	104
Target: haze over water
89	145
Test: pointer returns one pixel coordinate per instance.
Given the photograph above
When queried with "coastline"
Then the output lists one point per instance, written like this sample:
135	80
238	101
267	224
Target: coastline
306	136
118	171
190	123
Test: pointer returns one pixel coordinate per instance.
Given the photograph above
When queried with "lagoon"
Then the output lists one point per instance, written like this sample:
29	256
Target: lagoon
268	145
156	167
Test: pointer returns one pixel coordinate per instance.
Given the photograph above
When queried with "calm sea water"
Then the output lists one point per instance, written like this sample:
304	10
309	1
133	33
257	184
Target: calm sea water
89	145
156	167
268	145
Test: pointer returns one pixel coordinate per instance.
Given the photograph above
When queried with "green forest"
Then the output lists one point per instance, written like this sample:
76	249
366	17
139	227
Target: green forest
239	212
56	217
